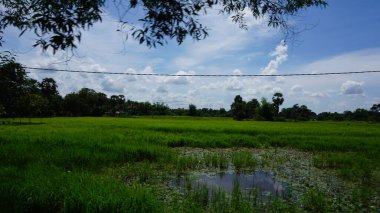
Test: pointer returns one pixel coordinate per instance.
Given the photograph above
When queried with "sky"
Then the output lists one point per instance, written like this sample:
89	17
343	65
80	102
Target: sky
343	37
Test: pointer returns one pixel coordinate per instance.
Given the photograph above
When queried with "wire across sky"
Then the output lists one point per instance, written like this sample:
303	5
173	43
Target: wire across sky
201	75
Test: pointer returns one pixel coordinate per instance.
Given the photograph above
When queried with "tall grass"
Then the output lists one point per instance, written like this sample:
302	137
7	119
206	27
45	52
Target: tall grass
67	164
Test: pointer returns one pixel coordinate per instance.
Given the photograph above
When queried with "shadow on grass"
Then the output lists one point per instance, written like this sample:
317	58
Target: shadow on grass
18	123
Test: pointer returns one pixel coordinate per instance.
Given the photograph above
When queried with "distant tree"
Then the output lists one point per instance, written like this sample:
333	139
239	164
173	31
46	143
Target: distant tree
305	114
31	105
251	108
160	109
205	112
300	113
49	90
18	91
222	112
72	105
238	108
375	108
86	102
360	115
116	105
179	111
347	115
2	111
192	110
265	111
375	113
277	100
48	87
13	81
145	108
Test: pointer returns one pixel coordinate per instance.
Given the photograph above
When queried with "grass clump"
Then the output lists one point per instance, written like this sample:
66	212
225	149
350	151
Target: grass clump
316	201
244	160
350	166
48	189
216	160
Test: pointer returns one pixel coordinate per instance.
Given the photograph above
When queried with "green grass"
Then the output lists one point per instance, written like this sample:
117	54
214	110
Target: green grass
109	164
244	160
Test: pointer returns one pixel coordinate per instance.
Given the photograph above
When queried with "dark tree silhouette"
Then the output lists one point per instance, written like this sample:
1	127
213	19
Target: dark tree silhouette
238	108
13	84
277	99
265	110
58	24
252	107
116	105
375	108
49	91
192	110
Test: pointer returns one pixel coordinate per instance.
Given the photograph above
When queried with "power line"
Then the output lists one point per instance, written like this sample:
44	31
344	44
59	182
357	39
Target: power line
202	75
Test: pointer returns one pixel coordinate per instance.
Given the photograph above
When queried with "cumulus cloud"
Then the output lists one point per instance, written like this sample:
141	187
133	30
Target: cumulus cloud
318	94
296	88
112	85
352	88
162	89
280	55
179	80
131	78
225	49
225	38
234	83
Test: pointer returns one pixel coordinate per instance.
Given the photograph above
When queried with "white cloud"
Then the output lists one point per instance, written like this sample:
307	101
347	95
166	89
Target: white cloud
296	88
352	88
234	85
162	89
318	94
131	78
228	49
180	80
337	92
280	55
112	85
225	37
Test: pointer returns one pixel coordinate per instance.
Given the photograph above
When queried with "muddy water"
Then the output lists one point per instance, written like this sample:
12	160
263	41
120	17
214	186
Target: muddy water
262	181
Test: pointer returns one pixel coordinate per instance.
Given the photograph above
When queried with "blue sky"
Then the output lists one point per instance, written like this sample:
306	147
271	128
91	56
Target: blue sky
342	37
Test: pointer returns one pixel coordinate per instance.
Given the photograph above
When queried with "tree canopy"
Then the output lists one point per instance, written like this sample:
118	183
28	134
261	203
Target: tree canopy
22	96
58	24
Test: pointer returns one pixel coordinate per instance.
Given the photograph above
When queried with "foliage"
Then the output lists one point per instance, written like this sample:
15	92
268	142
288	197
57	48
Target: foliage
251	108
111	164
192	110
238	108
243	161
58	24
265	110
372	115
277	100
297	113
26	97
19	94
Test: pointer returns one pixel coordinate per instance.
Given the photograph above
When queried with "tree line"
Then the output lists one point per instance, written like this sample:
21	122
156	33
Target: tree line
22	96
269	111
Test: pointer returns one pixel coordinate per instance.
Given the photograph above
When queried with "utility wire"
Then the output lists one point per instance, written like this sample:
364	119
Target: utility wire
202	75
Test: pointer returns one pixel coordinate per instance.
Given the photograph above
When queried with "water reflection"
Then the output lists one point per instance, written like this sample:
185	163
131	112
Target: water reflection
262	181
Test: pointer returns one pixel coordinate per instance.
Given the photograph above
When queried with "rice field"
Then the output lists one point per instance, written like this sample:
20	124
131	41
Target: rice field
154	164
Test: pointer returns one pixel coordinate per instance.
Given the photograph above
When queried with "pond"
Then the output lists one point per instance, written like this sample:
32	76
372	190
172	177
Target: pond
258	180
